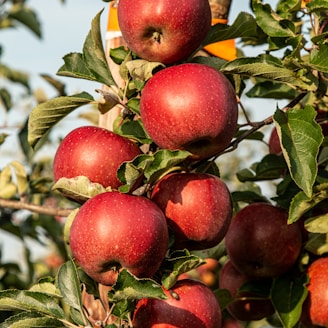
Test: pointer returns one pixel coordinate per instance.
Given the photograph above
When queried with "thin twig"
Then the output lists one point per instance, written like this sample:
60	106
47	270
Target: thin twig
19	205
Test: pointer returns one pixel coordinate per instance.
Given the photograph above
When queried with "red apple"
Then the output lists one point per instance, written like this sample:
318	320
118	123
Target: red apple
315	306
247	305
197	207
191	107
113	230
260	242
163	30
274	142
93	152
190	304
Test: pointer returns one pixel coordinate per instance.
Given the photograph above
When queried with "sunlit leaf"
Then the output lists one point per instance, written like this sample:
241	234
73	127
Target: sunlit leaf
69	285
79	188
24	300
45	115
317	243
129	287
317	224
178	263
301	203
270	22
31	319
21	176
301	138
319	58
269	68
94	54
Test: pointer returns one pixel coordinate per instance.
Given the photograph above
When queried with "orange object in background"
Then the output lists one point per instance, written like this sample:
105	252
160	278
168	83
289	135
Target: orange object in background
224	49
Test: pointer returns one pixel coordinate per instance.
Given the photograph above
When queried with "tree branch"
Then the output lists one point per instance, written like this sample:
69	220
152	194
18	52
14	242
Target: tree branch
19	205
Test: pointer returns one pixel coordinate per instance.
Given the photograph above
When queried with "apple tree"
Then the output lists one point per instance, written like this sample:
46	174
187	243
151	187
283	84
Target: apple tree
134	253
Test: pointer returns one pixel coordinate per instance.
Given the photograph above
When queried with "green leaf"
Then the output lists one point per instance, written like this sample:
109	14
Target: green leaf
5	99
268	168
268	67
8	188
248	196
21	177
15	76
133	129
179	262
270	22
301	138
243	26
129	287
46	286
301	203
317	224
24	300
45	115
163	160
94	54
27	17
288	294
31	319
69	285
79	188
75	66
317	243
141	69
271	89
317	6
151	166
319	58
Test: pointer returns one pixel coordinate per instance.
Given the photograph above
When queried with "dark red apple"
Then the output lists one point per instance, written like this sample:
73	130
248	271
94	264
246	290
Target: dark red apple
113	230
190	304
164	30
315	307
93	152
247	305
260	242
197	207
191	107
274	142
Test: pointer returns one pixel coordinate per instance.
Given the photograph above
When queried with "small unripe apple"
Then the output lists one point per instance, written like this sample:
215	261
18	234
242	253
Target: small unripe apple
315	307
261	243
93	152
190	107
164	30
197	207
113	230
190	304
246	306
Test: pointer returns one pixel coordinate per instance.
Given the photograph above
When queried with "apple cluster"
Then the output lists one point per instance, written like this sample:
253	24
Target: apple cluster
191	107
184	106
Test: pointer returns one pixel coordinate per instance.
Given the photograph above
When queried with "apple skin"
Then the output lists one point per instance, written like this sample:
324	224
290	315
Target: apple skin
314	312
190	304
113	230
260	243
243	309
93	152
190	107
197	207
274	142
163	30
